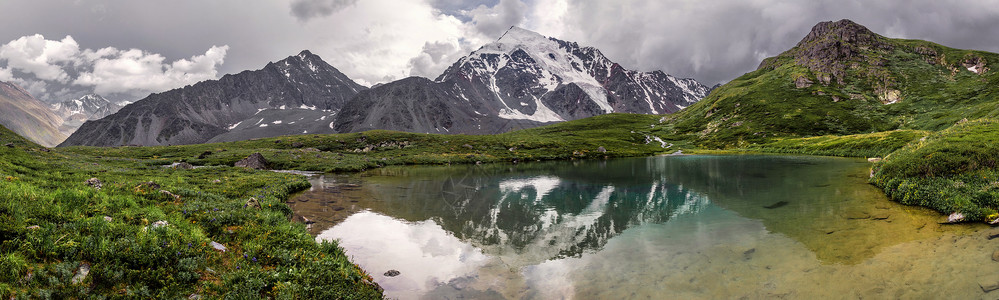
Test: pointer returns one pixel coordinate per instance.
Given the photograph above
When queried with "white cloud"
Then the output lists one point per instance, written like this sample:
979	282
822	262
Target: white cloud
43	58
6	74
136	72
372	44
43	64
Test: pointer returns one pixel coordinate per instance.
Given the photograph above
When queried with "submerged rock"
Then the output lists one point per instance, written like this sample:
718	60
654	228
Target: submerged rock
989	283
776	205
392	273
855	215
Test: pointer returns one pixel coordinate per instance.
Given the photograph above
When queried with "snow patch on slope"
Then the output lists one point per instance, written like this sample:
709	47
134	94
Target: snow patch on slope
557	67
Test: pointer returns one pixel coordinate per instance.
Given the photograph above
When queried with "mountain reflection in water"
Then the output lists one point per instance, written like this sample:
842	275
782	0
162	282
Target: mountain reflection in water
525	230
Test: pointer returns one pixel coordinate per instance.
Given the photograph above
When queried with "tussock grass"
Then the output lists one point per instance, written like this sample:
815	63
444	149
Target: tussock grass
954	170
52	223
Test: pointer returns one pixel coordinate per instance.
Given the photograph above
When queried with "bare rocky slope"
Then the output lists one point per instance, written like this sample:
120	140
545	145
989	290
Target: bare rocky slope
197	113
28	117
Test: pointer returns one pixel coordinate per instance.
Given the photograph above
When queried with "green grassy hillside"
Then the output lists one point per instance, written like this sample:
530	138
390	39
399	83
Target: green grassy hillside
843	79
954	170
876	144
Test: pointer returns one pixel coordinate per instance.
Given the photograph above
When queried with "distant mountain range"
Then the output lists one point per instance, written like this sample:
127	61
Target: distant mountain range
522	80
28	117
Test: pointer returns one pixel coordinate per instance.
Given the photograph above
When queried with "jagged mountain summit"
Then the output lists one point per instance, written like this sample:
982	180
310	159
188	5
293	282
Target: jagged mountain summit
28	117
88	107
228	108
842	78
522	80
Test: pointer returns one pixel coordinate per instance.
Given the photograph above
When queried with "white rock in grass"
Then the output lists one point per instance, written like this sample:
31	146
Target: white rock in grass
218	246
81	273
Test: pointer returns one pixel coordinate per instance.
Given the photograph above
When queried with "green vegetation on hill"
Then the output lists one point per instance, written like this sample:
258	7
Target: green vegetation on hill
876	144
840	80
954	170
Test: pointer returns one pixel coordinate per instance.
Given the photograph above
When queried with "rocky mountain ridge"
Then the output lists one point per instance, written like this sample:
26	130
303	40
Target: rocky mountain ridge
88	107
522	80
197	113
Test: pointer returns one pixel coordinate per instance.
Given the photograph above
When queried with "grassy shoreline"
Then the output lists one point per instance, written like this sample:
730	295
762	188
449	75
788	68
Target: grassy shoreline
53	222
151	230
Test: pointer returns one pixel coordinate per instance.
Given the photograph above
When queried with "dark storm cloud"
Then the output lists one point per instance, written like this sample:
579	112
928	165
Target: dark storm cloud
715	41
378	40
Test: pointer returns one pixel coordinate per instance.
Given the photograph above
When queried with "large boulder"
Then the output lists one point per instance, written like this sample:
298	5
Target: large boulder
254	161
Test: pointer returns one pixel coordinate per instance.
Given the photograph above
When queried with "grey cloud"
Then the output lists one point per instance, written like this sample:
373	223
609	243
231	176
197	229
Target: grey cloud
711	41
308	9
493	21
434	58
721	40
458	7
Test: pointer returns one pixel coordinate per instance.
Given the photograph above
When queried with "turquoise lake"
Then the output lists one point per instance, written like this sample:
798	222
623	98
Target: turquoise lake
666	227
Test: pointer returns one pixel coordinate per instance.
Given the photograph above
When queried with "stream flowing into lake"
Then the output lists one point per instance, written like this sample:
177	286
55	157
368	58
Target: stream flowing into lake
667	227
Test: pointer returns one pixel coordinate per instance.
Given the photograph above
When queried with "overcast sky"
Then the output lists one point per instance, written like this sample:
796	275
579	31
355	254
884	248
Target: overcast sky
127	49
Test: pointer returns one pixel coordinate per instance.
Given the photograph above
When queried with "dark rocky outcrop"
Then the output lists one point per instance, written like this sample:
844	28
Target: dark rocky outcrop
254	161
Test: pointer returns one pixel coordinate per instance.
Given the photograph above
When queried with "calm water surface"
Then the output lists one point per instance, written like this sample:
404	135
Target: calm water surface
680	227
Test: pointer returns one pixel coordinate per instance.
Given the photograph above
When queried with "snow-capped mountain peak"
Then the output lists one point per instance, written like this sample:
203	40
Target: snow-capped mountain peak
88	107
523	70
521	80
